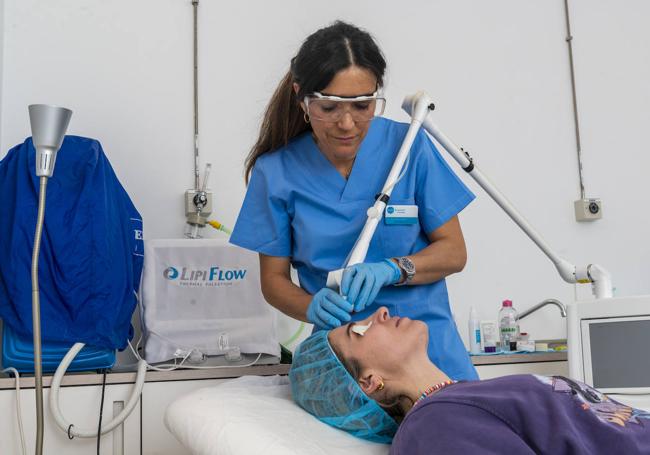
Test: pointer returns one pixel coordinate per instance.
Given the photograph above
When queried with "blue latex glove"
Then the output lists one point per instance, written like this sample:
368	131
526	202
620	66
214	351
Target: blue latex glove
328	309
361	282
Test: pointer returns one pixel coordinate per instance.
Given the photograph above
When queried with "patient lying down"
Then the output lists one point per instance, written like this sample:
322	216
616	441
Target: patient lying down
373	379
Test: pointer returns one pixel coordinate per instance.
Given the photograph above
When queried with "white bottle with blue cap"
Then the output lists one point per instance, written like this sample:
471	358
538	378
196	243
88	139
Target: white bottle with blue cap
474	327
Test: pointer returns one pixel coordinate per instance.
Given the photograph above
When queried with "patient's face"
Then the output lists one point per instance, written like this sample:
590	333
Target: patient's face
385	345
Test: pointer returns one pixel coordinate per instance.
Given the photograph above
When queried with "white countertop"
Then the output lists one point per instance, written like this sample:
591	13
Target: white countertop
93	378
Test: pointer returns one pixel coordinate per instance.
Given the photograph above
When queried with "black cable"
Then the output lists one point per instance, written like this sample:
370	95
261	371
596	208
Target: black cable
101	408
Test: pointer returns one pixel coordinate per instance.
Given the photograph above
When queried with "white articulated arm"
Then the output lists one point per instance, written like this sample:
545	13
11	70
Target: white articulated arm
599	277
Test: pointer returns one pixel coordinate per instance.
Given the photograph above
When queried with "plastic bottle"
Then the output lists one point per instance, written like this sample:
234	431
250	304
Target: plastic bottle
508	325
474	327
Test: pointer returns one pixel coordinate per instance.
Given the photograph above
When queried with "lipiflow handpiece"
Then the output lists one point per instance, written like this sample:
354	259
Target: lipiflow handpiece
420	105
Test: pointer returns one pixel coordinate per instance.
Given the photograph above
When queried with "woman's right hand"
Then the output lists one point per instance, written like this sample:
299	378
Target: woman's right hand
328	309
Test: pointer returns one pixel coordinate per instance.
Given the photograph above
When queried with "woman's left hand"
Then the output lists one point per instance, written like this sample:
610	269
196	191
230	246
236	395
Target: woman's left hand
361	282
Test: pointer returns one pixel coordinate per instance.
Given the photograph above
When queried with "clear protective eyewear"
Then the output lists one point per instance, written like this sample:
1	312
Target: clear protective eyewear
329	108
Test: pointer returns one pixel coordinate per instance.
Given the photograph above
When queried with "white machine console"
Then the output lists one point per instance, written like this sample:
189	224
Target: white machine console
609	346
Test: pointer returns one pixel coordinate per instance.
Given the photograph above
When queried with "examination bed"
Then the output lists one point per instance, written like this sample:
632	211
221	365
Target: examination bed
255	414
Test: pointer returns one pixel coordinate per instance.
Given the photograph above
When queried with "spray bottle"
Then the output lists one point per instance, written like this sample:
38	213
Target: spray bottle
508	326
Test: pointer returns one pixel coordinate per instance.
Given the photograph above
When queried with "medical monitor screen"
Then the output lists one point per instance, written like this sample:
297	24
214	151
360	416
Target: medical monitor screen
620	353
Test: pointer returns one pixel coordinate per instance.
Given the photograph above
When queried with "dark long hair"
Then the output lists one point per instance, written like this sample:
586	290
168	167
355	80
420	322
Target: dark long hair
322	55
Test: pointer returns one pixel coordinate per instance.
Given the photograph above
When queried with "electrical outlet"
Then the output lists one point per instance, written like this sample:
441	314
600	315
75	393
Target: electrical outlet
588	209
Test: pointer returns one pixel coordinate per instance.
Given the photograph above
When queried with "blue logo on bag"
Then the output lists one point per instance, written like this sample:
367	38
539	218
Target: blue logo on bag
170	273
390	210
214	276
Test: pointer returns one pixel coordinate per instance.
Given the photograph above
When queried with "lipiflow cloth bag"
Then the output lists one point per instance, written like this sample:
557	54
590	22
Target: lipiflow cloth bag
196	290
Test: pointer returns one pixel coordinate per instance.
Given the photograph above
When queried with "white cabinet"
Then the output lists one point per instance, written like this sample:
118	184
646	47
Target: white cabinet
156	396
80	405
543	368
143	432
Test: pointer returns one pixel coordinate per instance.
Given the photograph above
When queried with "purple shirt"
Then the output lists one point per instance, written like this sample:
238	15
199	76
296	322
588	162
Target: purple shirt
522	414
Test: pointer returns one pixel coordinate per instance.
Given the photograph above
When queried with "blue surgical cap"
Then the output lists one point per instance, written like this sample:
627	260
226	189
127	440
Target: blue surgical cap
322	386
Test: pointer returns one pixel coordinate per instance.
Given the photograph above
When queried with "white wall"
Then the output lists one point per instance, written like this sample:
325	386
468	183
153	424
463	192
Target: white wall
498	71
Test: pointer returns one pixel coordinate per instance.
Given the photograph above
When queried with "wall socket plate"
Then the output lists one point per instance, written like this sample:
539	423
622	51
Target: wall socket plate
190	207
588	209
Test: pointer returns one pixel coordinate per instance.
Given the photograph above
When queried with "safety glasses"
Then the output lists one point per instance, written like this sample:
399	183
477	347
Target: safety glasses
329	108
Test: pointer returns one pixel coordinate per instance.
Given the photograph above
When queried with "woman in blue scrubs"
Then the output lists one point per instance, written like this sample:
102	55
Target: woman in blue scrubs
322	155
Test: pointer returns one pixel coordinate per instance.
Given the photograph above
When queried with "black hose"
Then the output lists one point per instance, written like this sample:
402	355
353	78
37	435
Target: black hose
101	408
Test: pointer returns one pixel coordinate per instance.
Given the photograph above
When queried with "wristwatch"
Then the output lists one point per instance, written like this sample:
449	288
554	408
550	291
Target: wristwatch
407	267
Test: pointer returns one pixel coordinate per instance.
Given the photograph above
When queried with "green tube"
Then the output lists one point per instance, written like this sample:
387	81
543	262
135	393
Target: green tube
295	336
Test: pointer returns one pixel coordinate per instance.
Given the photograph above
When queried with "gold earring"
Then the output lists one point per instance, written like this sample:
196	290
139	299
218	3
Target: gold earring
306	117
381	386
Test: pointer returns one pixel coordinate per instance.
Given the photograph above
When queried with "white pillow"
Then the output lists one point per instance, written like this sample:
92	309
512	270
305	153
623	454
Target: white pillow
254	415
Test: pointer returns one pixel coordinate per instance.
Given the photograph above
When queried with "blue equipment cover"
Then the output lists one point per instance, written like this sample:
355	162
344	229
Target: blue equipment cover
18	352
91	249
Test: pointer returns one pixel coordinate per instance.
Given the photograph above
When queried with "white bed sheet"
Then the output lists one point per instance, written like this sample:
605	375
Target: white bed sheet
256	415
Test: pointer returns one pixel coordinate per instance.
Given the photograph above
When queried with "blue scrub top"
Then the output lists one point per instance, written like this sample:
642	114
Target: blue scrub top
299	206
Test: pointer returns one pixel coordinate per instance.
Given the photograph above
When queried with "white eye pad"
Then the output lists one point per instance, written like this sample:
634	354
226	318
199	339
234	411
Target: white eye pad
361	329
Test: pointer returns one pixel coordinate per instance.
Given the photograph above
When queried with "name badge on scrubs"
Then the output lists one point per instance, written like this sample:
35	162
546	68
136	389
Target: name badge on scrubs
401	214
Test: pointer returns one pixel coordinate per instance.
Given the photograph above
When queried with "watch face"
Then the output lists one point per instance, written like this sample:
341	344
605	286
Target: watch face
408	265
